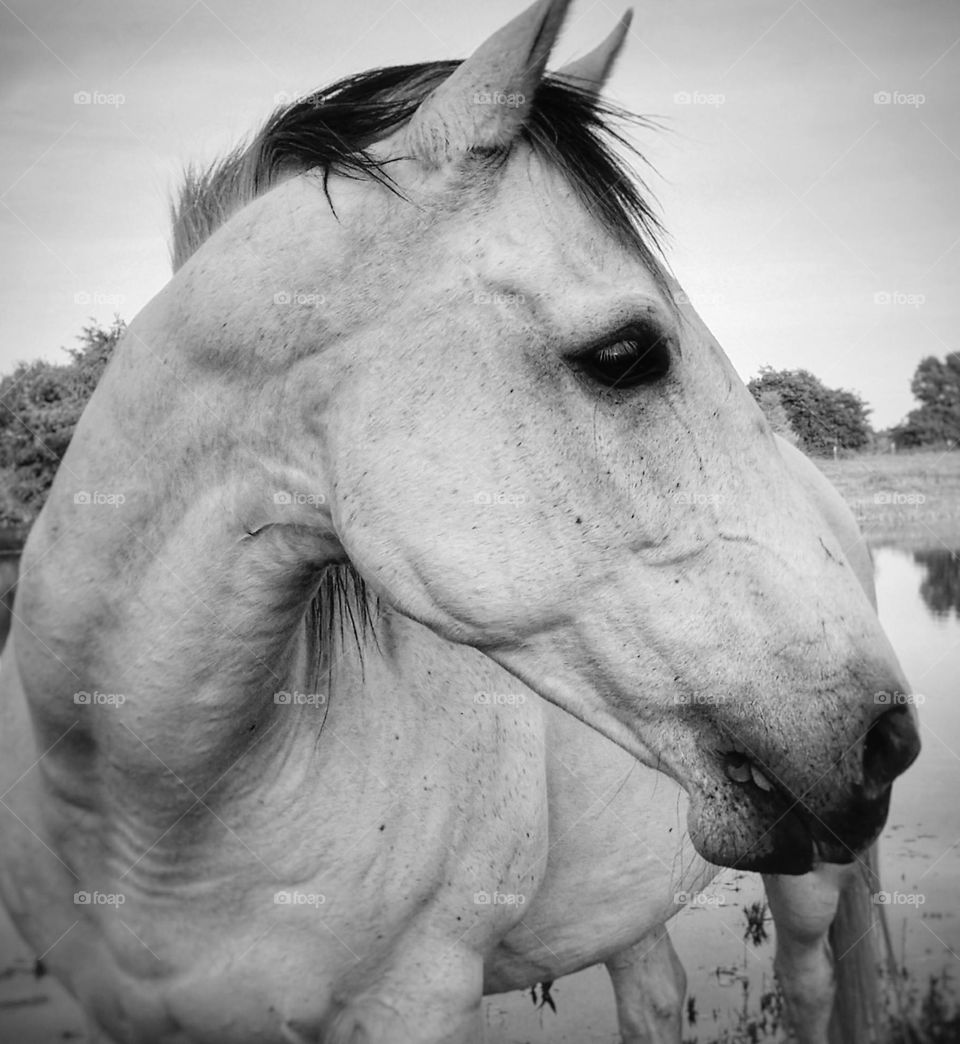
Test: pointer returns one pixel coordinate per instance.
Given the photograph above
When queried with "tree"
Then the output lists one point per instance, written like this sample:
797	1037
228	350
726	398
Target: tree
771	404
936	421
821	417
40	404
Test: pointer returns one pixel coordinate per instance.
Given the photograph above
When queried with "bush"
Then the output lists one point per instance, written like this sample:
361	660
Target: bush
40	404
824	419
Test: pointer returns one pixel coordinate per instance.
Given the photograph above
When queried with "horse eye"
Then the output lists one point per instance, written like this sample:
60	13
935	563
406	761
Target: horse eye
642	357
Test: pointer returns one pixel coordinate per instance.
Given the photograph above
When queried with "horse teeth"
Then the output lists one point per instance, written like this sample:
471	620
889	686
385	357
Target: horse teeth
739	773
760	779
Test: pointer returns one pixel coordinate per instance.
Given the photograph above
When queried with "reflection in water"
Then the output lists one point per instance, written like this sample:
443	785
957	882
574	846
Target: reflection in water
918	594
940	587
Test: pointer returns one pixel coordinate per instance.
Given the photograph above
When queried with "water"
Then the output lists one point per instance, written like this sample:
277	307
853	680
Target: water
919	602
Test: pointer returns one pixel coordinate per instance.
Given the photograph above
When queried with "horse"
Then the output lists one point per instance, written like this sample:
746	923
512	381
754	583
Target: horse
427	339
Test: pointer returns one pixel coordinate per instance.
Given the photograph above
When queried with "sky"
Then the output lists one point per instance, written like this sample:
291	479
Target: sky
808	172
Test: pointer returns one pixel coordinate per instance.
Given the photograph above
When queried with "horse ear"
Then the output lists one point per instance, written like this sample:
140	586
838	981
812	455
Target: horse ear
483	104
592	71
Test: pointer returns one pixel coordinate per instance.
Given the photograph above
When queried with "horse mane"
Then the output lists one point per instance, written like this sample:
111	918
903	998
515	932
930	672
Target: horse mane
331	130
342	610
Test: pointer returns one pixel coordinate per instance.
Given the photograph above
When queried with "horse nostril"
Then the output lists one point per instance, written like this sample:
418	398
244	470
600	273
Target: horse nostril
890	747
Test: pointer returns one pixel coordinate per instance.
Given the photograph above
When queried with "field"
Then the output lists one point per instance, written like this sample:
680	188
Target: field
906	500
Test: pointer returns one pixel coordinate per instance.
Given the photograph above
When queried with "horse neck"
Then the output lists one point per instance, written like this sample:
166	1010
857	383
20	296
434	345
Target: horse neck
156	566
395	696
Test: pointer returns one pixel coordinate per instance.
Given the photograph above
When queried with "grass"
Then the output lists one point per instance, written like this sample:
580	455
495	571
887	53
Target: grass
918	1011
907	500
929	1015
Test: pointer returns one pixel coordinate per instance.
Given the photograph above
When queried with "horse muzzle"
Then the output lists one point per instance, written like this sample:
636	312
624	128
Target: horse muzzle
758	818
